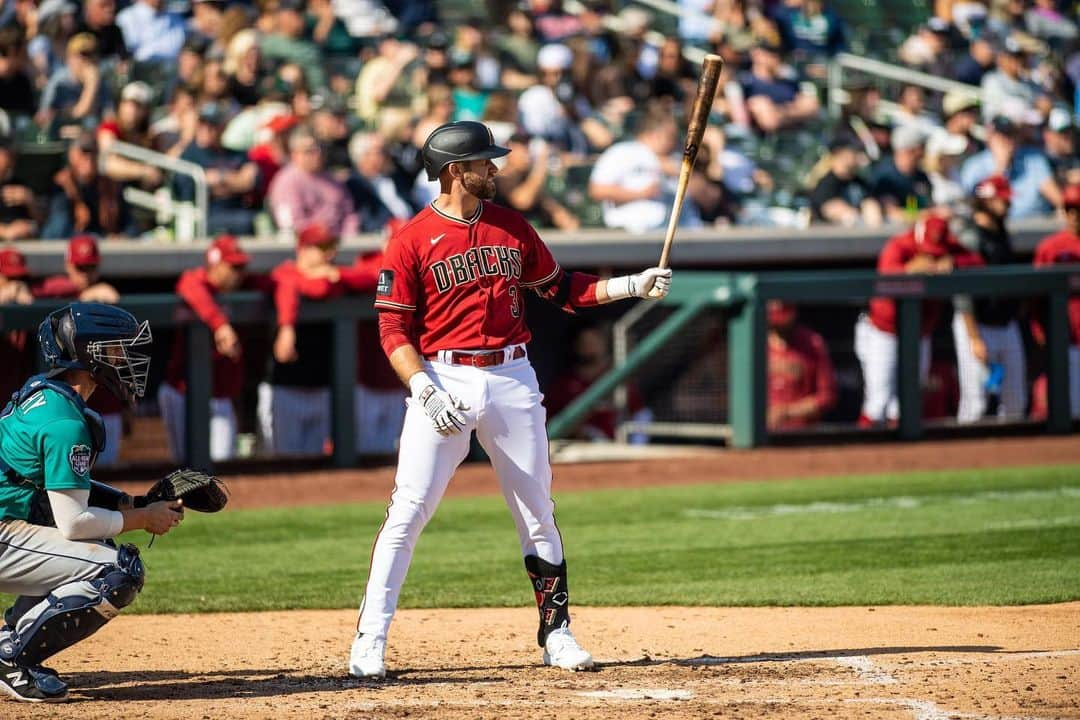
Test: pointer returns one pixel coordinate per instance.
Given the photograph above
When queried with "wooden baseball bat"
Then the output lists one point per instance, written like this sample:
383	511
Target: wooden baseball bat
699	119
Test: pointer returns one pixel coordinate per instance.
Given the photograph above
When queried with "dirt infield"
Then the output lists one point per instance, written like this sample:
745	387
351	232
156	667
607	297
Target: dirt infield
915	663
694	466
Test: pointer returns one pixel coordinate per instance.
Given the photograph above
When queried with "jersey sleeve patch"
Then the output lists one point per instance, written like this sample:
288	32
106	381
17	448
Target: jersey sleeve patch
385	285
80	458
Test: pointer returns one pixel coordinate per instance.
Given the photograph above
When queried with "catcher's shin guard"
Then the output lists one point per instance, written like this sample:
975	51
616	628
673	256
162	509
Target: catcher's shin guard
552	594
74	611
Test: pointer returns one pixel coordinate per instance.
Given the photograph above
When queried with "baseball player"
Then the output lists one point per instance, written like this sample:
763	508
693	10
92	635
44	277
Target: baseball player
82	281
928	247
1062	247
452	322
985	329
294	403
225	271
802	384
70	579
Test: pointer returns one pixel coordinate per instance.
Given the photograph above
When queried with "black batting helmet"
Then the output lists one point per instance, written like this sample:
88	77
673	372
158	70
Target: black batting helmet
458	141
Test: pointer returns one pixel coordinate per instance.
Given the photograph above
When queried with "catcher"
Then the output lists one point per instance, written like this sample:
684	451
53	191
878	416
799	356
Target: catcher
56	524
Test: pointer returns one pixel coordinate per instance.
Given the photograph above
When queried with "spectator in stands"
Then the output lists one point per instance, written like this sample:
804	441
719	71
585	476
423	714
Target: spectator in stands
521	184
330	125
986	330
1008	86
55	24
552	22
621	80
1044	21
973	66
16	88
303	194
17	214
152	33
810	31
841	197
99	19
675	76
724	179
288	43
911	110
329	31
1061	248
1059	142
591	359
294	402
501	115
926	50
544	109
206	19
440	110
131	125
242	65
175	130
802	384
634	179
899	184
82	200
471	41
517	43
944	156
15	356
271	154
383	81
229	174
82	281
774	101
225	271
469	99
927	247
373	192
1034	190
75	92
960	114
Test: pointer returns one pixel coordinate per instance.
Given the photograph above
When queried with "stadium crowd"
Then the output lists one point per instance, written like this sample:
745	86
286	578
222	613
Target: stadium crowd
308	115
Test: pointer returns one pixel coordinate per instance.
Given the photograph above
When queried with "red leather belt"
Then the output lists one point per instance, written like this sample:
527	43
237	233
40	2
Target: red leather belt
478	359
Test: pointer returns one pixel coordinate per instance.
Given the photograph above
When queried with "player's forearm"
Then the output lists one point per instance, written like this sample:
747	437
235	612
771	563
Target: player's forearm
406	362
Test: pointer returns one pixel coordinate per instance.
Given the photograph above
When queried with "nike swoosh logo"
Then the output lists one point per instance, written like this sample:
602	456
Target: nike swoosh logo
437	238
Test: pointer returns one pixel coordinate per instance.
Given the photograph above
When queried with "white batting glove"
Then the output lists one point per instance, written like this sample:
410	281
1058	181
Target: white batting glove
653	283
444	409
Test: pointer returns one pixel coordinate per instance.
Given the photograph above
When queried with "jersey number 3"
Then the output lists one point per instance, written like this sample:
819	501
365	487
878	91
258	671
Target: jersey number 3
515	302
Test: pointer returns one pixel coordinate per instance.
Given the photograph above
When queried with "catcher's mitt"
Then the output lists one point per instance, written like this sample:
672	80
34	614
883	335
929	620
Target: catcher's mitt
199	490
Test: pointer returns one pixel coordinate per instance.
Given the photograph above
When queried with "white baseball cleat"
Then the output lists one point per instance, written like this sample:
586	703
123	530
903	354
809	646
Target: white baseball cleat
367	657
562	650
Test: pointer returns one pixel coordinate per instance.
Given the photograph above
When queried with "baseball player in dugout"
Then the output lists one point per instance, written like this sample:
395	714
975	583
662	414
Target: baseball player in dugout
56	524
225	271
452	322
927	247
294	404
82	281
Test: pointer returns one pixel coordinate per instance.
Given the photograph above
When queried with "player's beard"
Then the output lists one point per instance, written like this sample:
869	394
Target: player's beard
478	186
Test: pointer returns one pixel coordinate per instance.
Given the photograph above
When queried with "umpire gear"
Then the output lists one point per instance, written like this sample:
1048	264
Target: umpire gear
457	142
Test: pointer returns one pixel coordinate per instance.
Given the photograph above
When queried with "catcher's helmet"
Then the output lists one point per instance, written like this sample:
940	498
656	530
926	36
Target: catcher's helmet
458	141
98	338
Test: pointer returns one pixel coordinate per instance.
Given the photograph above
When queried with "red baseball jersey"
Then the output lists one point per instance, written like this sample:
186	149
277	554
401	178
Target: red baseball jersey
900	250
1061	248
800	368
461	280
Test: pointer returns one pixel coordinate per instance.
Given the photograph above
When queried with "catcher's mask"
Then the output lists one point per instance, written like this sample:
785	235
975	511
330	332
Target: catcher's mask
102	340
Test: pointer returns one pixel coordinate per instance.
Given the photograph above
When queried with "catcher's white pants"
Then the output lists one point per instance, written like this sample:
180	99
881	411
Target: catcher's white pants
35	560
505	411
380	415
173	406
1004	346
878	356
294	420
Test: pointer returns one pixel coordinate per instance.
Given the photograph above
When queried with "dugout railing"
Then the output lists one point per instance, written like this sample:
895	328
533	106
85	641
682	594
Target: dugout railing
166	312
743	296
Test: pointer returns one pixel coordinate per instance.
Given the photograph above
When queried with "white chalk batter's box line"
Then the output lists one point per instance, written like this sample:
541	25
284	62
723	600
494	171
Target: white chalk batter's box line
898	502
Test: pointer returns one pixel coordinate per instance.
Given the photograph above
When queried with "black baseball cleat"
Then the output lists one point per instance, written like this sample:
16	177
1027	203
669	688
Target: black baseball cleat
33	685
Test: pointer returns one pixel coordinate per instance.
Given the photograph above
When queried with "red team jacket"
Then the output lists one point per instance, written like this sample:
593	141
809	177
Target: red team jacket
897	252
451	284
798	369
1060	248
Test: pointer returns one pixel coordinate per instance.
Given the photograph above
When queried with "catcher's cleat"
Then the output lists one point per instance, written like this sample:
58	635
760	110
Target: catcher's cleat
367	657
31	685
562	650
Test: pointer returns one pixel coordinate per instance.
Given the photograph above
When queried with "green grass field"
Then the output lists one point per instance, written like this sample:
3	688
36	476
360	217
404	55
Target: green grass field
1005	536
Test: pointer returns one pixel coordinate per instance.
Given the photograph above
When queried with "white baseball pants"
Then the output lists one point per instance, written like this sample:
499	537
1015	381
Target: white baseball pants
1003	345
877	351
173	406
294	420
505	411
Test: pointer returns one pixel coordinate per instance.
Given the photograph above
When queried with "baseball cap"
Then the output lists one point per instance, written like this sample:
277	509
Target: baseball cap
955	102
554	56
226	249
844	142
12	264
137	91
907	137
1011	46
1059	120
318	235
282	123
210	112
83	250
995	186
1071	197
946	143
1003	125
931	232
